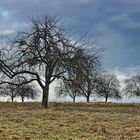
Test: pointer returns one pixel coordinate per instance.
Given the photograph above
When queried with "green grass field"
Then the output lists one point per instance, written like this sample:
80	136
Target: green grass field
69	121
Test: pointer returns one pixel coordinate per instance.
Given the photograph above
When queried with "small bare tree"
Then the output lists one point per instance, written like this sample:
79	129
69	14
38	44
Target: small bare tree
26	91
132	86
9	90
87	86
67	89
108	87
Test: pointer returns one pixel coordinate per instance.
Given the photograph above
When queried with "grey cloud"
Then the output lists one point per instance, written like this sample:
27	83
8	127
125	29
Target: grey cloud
115	23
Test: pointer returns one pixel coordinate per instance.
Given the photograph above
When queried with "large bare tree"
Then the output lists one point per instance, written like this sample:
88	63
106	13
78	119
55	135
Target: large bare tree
43	53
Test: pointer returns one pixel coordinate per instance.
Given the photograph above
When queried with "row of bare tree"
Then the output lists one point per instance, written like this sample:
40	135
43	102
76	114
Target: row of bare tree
102	86
24	91
44	52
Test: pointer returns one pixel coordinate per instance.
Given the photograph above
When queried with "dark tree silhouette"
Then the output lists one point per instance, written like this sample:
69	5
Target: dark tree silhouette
9	90
43	53
85	79
26	91
132	86
67	89
87	86
107	87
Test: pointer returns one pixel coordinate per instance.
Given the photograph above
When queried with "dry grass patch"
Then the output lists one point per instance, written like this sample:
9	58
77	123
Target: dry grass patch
68	121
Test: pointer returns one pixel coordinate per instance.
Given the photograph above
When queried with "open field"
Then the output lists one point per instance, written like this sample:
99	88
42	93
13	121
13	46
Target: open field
68	121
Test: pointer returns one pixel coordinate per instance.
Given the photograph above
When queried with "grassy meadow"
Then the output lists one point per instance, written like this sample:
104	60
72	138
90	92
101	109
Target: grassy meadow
69	121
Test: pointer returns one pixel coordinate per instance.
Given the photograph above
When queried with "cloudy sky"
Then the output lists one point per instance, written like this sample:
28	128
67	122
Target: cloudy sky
114	24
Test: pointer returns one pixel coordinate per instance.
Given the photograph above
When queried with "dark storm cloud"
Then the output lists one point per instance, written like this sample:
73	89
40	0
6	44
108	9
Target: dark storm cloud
115	24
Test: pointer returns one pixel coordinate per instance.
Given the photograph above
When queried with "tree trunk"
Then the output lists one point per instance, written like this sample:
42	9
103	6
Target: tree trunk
12	99
22	98
106	98
87	98
45	96
74	99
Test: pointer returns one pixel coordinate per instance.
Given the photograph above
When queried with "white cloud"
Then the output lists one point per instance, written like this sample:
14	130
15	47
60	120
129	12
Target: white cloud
6	32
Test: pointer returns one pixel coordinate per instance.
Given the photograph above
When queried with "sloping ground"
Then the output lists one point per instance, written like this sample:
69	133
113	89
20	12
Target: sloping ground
69	121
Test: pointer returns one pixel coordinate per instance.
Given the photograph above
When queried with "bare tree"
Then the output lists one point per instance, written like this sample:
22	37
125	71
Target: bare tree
43	53
23	91
108	87
85	79
9	90
132	86
27	91
67	89
87	86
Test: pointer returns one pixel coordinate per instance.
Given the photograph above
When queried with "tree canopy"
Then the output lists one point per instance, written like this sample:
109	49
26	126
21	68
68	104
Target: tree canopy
107	86
132	86
44	52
